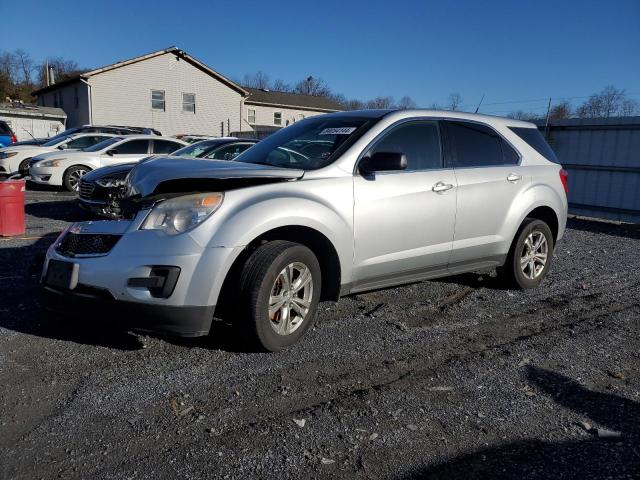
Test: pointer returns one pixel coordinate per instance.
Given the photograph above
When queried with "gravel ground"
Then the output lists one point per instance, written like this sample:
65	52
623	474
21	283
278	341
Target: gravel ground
455	378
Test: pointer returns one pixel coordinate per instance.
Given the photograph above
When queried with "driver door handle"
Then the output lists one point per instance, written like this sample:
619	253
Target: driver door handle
513	178
442	187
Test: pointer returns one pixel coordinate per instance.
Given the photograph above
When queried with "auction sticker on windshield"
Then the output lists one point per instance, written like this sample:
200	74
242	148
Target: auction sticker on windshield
338	131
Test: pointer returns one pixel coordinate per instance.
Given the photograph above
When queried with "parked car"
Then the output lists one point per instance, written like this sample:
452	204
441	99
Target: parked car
394	197
195	138
67	168
101	190
16	159
7	137
112	129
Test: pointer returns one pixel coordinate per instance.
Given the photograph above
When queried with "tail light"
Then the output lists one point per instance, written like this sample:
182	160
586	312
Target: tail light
564	178
13	138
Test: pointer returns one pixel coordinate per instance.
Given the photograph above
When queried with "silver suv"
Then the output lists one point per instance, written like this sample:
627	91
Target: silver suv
332	205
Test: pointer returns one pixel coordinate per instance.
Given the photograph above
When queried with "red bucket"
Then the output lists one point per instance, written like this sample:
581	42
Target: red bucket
12	208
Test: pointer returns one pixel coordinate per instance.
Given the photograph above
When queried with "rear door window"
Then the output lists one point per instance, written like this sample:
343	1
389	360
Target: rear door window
165	146
476	145
4	129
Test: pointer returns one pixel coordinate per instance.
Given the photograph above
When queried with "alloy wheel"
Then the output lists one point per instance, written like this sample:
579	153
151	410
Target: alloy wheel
290	298
535	252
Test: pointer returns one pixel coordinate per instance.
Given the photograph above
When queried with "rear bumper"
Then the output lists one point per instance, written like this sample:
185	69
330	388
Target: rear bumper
90	304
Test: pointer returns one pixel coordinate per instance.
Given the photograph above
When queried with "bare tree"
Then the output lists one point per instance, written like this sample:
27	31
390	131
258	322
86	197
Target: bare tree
455	102
629	108
62	67
281	86
522	115
435	106
380	103
609	102
313	86
256	80
25	66
406	102
354	104
560	111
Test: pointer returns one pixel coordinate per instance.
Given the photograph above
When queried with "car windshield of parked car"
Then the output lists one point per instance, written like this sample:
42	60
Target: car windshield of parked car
103	144
196	149
54	141
309	144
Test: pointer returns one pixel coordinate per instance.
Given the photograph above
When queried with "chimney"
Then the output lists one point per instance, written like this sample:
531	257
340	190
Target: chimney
52	76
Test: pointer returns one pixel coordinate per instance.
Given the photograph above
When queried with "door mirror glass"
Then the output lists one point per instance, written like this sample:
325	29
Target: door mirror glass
112	152
383	162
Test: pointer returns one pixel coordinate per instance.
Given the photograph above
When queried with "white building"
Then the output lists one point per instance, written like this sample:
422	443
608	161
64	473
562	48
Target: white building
29	121
266	111
174	93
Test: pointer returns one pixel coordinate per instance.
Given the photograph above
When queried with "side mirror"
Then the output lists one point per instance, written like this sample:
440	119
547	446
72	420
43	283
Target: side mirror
383	162
62	147
112	152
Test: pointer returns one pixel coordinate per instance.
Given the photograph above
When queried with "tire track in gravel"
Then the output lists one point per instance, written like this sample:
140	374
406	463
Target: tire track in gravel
585	310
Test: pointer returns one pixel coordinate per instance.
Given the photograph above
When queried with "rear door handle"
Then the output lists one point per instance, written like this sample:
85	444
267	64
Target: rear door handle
442	187
513	178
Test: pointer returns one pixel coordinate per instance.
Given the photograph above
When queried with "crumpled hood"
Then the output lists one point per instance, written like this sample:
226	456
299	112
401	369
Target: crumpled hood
119	170
146	177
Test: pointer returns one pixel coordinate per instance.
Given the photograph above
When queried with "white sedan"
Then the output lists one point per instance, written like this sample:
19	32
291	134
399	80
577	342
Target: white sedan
16	158
66	168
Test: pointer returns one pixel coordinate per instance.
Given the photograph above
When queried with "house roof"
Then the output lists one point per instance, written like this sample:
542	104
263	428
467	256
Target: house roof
259	96
31	110
174	50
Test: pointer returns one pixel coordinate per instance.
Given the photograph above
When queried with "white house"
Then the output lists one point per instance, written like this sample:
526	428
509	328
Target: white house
29	121
168	90
173	92
266	111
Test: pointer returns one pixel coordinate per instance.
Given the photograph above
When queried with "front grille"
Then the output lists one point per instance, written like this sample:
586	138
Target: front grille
74	244
86	190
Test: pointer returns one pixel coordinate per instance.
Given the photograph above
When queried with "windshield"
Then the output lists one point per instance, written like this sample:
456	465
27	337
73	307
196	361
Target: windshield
102	145
197	149
309	144
53	141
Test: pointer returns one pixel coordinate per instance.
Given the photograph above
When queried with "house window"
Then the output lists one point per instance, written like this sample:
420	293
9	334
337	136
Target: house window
61	99
277	118
55	99
189	102
251	116
157	100
76	101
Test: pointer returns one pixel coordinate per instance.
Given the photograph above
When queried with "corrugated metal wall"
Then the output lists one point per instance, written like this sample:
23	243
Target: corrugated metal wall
603	160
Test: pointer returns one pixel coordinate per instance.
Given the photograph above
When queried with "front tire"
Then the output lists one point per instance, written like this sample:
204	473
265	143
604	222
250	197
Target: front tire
23	168
530	256
279	292
71	177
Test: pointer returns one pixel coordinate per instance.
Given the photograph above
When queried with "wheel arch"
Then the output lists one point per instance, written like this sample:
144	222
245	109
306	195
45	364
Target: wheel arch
316	241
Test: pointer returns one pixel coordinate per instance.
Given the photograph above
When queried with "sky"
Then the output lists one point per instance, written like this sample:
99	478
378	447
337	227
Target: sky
516	51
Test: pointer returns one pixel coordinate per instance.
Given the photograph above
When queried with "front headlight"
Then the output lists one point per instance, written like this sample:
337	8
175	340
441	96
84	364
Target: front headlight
110	182
49	163
177	215
7	154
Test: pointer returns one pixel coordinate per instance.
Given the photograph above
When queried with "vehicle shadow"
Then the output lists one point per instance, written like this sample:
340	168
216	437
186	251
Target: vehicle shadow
23	309
596	457
65	210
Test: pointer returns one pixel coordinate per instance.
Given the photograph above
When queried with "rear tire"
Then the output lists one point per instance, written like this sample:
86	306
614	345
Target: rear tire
279	291
530	256
71	177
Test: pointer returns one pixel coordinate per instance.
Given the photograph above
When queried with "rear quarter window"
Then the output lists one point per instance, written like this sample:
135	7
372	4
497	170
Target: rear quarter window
535	140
